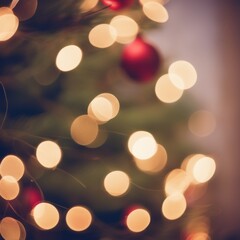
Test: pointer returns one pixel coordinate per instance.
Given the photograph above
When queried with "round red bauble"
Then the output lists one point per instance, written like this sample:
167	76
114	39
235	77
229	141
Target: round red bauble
140	60
117	4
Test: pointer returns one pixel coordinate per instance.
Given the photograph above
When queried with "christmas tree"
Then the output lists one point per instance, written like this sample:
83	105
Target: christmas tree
92	125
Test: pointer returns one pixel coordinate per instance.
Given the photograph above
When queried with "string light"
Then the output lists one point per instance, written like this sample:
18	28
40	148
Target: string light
45	215
155	11
12	166
155	163
166	91
185	71
9	188
84	130
8	23
68	58
11	229
116	183
78	218
126	28
142	145
48	154
138	220
102	36
174	206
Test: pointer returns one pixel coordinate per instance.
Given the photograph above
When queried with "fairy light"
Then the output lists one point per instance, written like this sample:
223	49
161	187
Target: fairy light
126	28
204	169
12	166
103	107
166	91
68	58
9	188
142	145
138	220
84	130
87	5
185	71
155	11
78	218
177	181
10	229
102	36
116	183
174	206
48	154
8	23
155	163
45	215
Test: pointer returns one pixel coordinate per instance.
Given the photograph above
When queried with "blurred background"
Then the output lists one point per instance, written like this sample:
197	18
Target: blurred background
42	102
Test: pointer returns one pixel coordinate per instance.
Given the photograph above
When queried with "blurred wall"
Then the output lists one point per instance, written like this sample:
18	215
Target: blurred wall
207	33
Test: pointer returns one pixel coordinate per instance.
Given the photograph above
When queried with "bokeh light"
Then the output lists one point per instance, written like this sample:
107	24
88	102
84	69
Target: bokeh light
166	91
48	154
177	181
8	23
199	167
185	71
116	183
126	28
84	130
102	36
155	163
204	169
174	206
88	5
202	123
155	11
11	229
199	236
68	58
12	166
78	218
45	215
158	1
103	107
142	145
9	188
138	220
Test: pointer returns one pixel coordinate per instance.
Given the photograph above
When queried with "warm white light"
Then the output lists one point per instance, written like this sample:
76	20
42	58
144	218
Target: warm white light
185	71
8	23
155	163
158	1
48	154
84	130
9	188
177	181
126	28
103	107
78	218
45	215
166	91
68	58
155	11
142	145
10	229
202	123
116	183
102	36
87	5
138	220
174	206
12	166
204	169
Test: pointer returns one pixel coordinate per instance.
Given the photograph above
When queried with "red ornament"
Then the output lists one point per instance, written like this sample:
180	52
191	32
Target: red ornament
117	4
140	60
